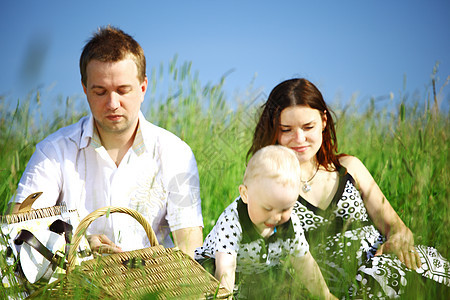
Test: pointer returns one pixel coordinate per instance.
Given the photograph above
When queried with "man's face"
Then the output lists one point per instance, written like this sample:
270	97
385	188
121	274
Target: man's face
114	94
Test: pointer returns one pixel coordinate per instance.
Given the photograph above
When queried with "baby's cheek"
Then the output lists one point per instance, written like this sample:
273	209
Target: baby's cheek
284	219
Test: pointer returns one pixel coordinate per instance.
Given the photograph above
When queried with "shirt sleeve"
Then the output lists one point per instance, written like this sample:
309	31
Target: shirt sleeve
183	186
42	174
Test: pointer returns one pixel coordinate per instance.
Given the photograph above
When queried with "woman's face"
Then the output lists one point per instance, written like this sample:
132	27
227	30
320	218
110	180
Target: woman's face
301	130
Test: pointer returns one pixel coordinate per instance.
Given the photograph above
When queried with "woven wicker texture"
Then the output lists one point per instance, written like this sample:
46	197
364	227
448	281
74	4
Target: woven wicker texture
163	273
167	273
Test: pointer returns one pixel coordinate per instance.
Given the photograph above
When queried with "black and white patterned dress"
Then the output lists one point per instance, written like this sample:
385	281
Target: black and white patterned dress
343	238
234	233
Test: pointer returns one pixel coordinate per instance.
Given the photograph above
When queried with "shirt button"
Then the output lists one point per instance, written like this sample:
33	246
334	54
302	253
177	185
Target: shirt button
264	255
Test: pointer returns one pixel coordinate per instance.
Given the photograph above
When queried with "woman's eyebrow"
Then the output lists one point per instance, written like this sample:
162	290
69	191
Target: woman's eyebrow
308	123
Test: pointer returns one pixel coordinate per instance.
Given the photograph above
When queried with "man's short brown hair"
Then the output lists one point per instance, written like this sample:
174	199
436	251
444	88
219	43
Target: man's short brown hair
110	44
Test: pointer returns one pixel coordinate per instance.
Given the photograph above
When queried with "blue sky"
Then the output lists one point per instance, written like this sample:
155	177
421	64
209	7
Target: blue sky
365	48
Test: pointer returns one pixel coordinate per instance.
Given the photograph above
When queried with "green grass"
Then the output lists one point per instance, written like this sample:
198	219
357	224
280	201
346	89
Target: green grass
405	148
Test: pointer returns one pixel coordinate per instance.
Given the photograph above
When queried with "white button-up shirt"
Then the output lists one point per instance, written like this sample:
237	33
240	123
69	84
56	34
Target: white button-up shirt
157	176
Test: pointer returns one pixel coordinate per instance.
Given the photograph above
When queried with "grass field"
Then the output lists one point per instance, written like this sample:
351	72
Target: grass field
405	147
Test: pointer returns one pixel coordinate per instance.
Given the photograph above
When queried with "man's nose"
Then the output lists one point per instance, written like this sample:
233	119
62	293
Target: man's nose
113	101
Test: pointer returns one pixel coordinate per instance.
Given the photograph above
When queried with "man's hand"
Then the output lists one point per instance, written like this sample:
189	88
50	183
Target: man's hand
188	239
100	243
401	244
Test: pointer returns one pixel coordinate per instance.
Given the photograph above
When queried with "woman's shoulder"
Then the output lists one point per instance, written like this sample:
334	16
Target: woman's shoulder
363	179
351	163
355	168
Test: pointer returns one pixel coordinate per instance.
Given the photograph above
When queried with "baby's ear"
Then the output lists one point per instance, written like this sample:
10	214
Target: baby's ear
243	193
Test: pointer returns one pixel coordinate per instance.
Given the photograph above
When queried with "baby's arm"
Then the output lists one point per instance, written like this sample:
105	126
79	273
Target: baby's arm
308	272
225	269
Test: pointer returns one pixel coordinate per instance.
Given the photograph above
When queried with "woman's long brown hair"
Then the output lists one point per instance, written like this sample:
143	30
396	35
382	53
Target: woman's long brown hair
290	93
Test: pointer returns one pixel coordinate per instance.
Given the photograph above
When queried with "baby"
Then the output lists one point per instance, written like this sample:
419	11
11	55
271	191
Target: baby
257	232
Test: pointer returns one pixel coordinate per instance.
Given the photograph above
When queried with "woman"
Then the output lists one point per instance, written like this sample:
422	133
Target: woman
349	223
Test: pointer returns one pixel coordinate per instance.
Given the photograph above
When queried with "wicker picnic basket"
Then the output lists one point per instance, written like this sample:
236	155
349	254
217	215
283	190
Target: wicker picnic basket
154	273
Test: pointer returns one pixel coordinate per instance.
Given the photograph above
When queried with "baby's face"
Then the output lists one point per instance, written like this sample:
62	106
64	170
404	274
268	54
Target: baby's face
269	204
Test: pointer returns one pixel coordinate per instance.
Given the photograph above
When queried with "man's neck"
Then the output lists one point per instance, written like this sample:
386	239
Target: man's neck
117	144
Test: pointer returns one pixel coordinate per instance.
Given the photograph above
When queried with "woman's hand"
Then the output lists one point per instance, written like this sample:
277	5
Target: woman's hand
100	243
401	243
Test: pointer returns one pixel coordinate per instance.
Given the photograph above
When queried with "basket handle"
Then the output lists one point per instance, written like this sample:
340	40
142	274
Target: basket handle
81	229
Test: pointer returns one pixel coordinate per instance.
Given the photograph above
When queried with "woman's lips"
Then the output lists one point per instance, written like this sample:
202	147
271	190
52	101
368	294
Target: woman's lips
269	225
300	149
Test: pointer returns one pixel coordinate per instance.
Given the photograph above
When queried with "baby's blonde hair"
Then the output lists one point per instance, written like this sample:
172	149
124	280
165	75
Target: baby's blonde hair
275	162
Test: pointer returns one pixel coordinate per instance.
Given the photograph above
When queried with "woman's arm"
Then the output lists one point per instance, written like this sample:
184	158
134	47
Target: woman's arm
225	269
399	238
308	272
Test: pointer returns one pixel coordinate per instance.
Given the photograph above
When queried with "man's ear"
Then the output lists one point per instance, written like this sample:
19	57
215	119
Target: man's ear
144	85
244	193
84	87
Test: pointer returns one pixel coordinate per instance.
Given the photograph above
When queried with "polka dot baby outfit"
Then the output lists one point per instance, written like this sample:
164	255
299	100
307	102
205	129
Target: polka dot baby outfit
234	233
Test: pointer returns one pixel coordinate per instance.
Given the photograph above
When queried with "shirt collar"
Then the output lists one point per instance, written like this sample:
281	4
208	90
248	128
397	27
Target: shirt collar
87	132
90	136
138	144
249	233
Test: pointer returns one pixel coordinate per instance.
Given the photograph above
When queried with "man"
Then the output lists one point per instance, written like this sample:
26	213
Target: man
115	157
